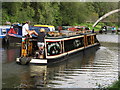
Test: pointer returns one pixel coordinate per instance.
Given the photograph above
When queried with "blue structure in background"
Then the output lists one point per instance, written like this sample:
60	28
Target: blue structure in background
10	37
3	31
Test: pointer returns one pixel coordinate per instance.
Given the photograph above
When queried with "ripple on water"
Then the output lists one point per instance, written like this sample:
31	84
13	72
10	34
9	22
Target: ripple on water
101	72
92	69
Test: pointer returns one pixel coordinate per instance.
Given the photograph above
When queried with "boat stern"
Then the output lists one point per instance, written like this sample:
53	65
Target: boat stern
32	61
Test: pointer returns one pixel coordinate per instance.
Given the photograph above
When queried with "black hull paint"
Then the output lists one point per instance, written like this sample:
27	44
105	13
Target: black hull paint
72	55
67	57
10	39
60	49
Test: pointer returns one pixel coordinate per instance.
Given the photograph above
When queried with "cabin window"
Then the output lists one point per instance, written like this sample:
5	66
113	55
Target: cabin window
69	45
95	39
4	31
89	40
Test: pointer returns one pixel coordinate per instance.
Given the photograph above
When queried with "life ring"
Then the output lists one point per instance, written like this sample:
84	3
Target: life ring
54	49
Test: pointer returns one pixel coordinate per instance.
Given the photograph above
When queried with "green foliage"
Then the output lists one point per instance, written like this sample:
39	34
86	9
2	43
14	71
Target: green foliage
56	13
115	85
73	12
104	7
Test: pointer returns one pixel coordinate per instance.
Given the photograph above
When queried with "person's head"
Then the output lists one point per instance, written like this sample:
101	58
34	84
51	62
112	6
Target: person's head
42	30
11	27
28	22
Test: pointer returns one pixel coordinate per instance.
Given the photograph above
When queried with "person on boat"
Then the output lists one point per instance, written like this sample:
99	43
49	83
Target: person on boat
40	40
113	29
118	30
12	31
25	30
93	30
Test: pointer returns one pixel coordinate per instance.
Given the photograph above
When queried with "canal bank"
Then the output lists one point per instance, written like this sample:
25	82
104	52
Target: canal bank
110	38
115	86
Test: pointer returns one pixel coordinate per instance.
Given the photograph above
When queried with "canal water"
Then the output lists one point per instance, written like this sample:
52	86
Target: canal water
96	67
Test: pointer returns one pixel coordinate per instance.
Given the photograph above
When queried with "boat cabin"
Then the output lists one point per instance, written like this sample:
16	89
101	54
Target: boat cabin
4	30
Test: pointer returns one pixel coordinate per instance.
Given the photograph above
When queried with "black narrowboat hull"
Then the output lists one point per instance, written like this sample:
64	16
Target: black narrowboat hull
11	39
59	48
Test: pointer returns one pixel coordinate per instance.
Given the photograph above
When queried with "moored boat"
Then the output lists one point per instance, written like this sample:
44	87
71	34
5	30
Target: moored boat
56	47
15	36
3	32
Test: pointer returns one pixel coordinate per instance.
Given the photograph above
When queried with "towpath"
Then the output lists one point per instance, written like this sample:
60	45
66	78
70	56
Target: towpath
112	38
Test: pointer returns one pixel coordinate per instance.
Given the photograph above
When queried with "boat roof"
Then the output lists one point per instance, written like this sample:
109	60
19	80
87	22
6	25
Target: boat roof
44	25
4	27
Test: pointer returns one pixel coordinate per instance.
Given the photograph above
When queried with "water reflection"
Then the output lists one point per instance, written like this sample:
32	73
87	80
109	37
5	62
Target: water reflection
39	74
92	68
10	53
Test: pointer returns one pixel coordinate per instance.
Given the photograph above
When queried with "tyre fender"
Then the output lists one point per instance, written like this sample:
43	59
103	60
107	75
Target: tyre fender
24	60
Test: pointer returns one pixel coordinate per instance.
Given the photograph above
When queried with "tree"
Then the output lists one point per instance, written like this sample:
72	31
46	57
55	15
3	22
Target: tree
56	13
103	7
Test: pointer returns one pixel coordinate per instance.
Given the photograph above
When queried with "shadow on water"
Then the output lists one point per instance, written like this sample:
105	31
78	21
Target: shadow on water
81	70
10	52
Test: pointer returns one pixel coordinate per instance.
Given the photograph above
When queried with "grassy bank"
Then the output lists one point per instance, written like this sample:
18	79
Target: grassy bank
115	86
97	27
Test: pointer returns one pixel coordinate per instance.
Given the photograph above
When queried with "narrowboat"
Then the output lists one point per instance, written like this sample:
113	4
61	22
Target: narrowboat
46	27
9	35
16	36
3	32
57	46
